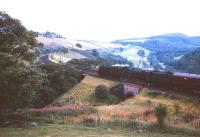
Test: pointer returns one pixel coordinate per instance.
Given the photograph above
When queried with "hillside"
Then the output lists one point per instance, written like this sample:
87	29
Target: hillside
157	52
117	52
166	42
132	117
182	118
166	49
190	62
83	92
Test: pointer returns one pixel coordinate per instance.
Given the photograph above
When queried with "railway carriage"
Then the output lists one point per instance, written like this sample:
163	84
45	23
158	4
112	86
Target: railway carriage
178	81
158	78
137	75
185	81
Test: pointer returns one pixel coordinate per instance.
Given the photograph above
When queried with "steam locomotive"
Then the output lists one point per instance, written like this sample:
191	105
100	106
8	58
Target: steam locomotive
178	81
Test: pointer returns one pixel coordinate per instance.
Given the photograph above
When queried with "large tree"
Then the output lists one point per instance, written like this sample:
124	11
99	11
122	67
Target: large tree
15	39
18	82
21	83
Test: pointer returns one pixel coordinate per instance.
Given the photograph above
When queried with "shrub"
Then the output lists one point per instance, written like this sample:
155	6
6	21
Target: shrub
63	111
153	94
79	45
90	119
147	112
129	95
188	116
111	99
176	108
196	123
148	103
141	53
161	114
101	92
95	53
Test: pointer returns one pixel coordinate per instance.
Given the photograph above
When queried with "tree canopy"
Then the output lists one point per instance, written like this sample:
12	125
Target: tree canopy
15	39
23	85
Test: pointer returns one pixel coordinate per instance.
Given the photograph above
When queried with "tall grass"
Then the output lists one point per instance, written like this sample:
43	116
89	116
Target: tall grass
61	112
145	126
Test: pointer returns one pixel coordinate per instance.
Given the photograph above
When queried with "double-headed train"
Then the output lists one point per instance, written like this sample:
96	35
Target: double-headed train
178	81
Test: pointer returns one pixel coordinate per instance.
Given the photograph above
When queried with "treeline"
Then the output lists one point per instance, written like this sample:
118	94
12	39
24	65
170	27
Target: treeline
49	35
190	62
22	83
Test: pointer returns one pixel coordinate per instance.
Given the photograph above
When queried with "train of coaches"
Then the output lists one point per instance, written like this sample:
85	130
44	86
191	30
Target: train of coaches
178	81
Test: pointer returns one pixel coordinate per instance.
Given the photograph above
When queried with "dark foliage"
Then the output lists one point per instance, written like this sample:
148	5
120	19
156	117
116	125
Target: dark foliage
91	63
79	45
141	53
15	39
189	62
61	77
21	84
161	114
101	92
95	53
49	35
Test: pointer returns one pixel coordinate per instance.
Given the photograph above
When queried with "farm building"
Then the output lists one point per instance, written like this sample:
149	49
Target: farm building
130	88
125	90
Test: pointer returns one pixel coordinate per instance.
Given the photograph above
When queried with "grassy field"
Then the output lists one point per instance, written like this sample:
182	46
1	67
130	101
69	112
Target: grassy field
66	130
182	112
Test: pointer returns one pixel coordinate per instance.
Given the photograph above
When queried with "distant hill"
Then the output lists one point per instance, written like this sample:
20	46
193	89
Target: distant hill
165	50
190	62
165	42
162	52
115	52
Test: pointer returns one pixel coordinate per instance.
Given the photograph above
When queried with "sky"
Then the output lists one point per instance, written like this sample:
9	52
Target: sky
107	20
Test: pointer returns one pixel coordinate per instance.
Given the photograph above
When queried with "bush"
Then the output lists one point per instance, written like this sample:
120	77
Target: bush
153	94
141	53
161	114
149	103
111	99
129	95
90	120
101	92
196	123
188	116
95	53
176	108
79	45
147	112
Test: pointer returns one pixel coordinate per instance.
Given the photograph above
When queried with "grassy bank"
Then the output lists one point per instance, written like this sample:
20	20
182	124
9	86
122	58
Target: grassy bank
83	93
66	130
